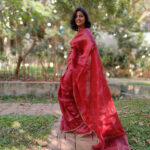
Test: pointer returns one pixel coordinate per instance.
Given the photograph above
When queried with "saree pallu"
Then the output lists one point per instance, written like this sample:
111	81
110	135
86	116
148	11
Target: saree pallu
85	99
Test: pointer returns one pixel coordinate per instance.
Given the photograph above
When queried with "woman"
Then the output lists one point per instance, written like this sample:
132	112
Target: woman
83	94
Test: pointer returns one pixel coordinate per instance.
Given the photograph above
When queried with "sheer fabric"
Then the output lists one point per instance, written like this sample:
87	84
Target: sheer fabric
85	99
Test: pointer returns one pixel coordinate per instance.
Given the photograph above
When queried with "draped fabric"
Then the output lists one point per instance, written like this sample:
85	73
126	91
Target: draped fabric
85	99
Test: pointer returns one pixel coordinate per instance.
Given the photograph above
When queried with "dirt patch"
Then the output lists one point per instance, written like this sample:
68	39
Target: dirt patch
29	109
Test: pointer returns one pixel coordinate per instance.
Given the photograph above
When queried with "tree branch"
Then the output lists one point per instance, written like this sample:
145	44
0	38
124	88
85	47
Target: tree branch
30	49
144	4
6	6
2	20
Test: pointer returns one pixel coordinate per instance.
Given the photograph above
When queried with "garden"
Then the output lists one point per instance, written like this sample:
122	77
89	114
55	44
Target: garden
35	40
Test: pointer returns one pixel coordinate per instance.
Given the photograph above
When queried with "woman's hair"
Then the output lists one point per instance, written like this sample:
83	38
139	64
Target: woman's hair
72	21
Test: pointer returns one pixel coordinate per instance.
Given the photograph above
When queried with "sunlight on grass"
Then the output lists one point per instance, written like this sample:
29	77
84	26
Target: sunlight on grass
16	125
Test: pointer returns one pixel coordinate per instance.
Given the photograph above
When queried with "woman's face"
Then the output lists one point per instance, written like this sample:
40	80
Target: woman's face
80	19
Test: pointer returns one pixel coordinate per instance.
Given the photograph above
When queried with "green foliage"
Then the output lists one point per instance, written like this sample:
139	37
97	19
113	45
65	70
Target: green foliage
25	21
117	17
24	16
2	57
110	6
112	58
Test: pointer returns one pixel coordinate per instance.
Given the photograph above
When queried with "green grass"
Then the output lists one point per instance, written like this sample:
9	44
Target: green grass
19	132
27	99
135	83
135	117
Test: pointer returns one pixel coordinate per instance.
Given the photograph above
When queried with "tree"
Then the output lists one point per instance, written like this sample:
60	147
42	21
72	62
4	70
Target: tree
117	17
21	22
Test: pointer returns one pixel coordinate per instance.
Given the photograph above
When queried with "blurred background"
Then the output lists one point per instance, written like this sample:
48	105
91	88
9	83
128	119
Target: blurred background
35	37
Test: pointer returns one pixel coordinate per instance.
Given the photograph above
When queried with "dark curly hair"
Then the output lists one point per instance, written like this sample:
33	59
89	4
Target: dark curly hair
72	21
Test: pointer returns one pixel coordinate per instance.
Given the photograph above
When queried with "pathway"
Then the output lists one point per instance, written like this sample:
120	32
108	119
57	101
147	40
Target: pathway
69	141
29	108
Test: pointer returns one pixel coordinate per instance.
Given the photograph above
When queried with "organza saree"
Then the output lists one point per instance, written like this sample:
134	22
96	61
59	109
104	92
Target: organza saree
85	99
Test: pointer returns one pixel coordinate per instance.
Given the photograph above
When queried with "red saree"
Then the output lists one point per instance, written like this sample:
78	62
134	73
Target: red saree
85	99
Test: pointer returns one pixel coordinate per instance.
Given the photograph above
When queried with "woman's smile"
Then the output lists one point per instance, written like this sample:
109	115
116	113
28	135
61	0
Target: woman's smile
80	20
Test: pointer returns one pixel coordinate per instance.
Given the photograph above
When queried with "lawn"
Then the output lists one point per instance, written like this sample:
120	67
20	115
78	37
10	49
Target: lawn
135	117
19	132
136	83
27	99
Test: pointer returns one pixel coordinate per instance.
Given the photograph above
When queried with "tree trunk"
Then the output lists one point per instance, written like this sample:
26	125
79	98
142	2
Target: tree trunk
1	45
21	58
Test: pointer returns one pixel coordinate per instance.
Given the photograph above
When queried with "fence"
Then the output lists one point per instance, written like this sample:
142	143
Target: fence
30	72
